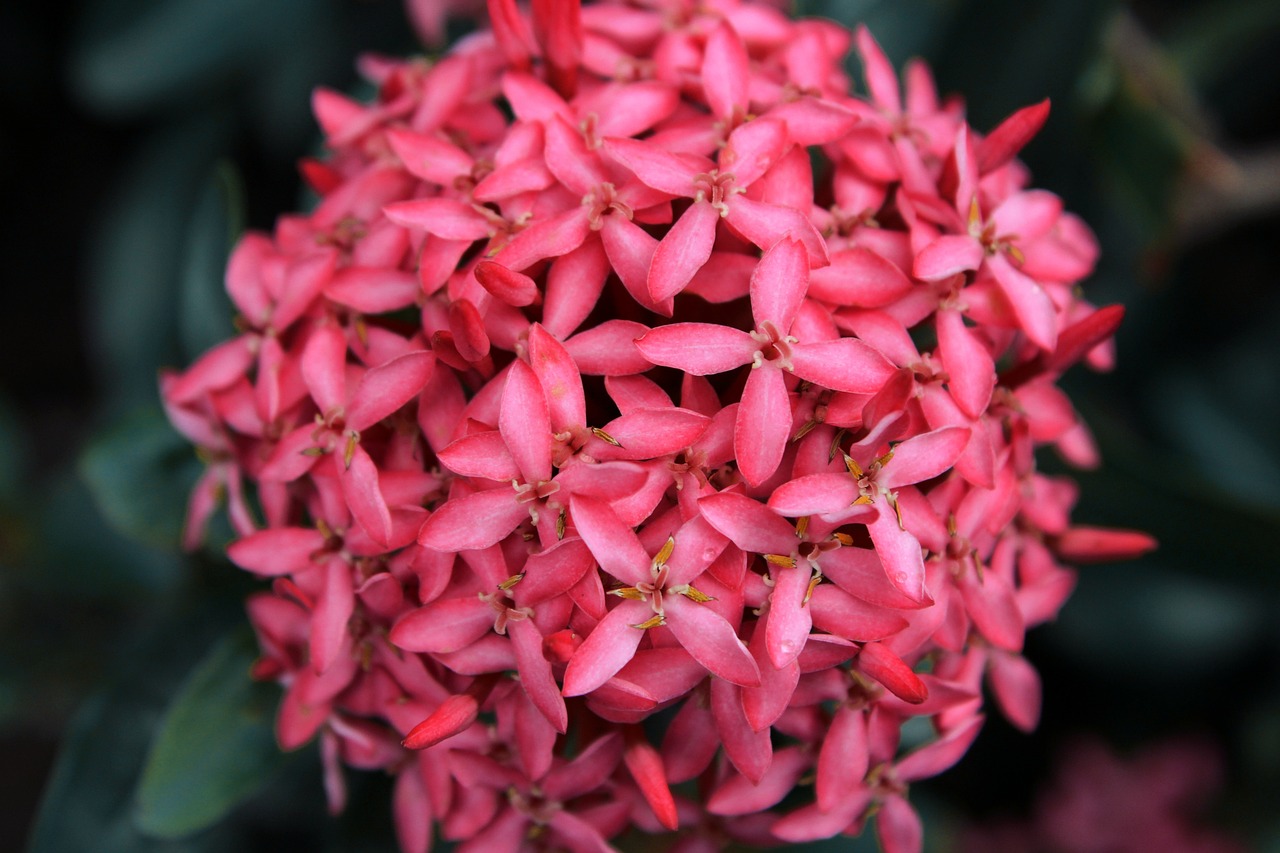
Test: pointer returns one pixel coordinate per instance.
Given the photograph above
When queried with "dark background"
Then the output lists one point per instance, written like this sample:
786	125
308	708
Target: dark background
138	137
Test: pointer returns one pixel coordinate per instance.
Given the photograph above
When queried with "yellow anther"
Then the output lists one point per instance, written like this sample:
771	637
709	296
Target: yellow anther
560	525
651	623
605	437
660	558
844	539
780	560
813	583
628	592
695	595
853	467
511	581
353	438
802	526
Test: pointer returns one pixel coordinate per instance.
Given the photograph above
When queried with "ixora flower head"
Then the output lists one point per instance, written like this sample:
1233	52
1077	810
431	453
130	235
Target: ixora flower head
642	431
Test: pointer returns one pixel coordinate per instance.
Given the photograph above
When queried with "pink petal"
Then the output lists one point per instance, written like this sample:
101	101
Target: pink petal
525	423
546	238
697	348
753	149
645	766
838	613
451	220
993	607
887	668
749	751
535	673
216	369
765	224
1032	306
364	498
443	626
481	454
738	795
845	364
387	387
748	523
683	251
949	255
324	368
814	494
428	157
648	103
711	640
610	349
898	827
882	80
726	73
569	160
924	457
763	424
658	168
779	283
574	284
506	285
372	290
860	278
900	553
843	759
334	606
932	759
789	617
560	380
1003	144
969	366
473	521
613	543
279	551
607	648
631	250
651	433
1016	686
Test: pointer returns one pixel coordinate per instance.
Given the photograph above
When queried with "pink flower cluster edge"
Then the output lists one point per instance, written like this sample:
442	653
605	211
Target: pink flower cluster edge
643	427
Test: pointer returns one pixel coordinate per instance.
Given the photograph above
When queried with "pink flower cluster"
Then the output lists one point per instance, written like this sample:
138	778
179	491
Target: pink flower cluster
639	408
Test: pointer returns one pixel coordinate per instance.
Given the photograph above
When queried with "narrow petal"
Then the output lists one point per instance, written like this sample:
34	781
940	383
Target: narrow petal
1032	306
278	551
535	673
763	425
843	759
711	640
613	543
473	521
561	382
748	523
610	349
789	616
814	494
683	251
900	553
658	168
882	80
525	423
898	827
364	498
574	283
970	368
387	387
890	670
324	369
607	648
779	284
334	606
726	73
645	766
924	457
765	224
845	364
446	218
443	626
1003	144
751	752
949	255
861	278
698	348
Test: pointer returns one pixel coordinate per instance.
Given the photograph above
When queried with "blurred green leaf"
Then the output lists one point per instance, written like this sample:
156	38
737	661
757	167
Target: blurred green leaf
136	262
132	55
87	805
214	747
140	472
204	310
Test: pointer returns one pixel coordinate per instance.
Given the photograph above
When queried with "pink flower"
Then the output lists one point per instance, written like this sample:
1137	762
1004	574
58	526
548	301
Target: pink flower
496	543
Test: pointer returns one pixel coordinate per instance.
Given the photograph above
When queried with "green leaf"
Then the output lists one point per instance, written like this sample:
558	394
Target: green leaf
214	747
140	472
204	310
88	803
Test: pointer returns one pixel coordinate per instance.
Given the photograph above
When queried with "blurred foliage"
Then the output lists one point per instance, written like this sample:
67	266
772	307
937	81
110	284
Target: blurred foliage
183	120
